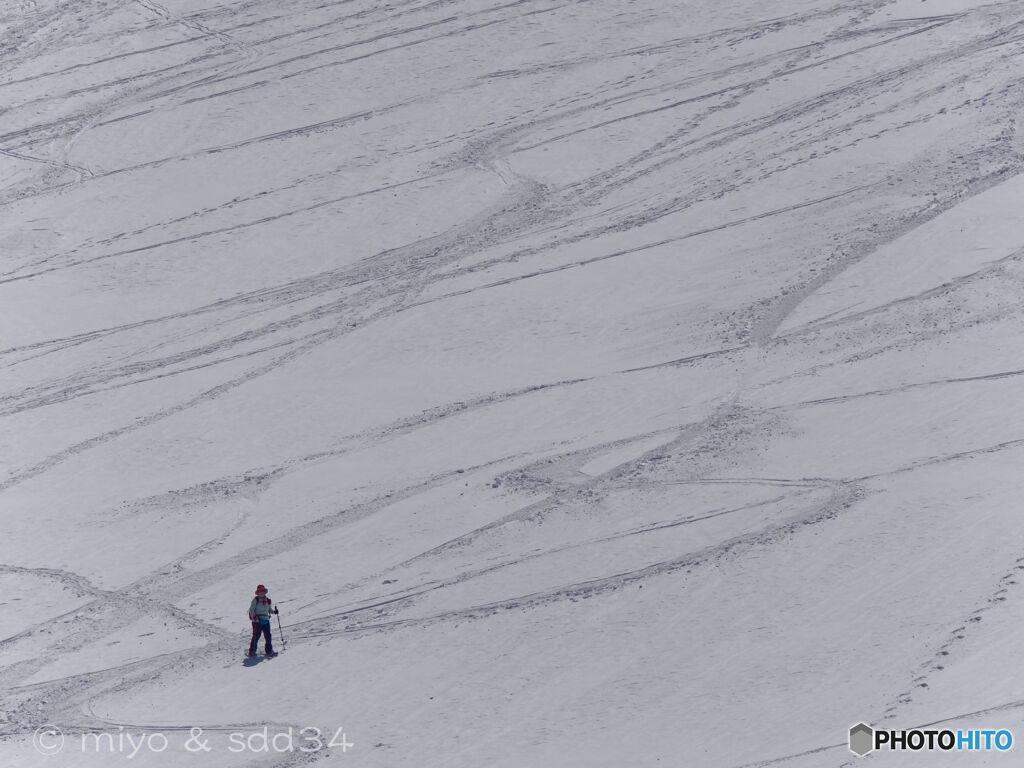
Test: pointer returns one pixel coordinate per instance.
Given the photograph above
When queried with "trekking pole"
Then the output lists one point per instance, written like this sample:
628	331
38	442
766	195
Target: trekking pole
280	632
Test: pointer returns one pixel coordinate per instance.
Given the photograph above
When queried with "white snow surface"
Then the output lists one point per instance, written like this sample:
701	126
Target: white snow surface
593	383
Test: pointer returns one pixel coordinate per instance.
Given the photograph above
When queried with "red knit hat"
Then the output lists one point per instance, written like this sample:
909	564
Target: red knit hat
261	587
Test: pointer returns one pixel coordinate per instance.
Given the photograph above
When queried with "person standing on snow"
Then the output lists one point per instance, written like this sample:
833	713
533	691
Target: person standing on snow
259	614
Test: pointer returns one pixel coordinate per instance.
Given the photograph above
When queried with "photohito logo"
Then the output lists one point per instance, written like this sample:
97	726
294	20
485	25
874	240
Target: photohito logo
864	739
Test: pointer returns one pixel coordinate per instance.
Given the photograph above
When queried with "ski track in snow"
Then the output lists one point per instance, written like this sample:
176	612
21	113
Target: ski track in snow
690	158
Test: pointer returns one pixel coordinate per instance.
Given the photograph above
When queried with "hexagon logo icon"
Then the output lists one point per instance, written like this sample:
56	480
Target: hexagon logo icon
862	739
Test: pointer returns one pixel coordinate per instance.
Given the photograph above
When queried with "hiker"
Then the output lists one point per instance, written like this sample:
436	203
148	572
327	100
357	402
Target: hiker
259	614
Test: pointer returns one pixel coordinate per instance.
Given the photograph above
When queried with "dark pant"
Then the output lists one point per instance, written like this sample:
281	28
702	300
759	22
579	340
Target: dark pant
257	630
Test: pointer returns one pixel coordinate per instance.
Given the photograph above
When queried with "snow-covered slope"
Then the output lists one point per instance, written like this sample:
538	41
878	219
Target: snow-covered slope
592	383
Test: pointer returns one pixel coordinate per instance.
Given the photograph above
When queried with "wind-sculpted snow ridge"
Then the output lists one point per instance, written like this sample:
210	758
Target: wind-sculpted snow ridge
591	383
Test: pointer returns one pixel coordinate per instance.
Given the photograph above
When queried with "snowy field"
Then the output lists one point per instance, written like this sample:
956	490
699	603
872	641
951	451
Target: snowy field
594	383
